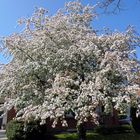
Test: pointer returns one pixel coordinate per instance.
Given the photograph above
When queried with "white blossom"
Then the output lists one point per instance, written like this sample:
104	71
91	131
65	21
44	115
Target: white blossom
60	64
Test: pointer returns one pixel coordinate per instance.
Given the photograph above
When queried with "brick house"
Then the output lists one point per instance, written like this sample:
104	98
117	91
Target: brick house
107	120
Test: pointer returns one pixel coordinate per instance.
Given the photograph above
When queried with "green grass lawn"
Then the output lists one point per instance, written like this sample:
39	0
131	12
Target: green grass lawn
96	136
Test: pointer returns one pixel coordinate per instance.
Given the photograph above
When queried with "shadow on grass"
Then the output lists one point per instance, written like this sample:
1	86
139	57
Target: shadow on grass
96	136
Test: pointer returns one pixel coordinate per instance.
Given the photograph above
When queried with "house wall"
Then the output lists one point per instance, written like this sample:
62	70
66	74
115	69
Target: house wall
11	114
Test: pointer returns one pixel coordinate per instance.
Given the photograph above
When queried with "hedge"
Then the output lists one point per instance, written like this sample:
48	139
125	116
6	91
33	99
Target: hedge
16	130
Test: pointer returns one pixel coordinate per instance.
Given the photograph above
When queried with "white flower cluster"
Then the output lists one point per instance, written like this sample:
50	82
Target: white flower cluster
60	64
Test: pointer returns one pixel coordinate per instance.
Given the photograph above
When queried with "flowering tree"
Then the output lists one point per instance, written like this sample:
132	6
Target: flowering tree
60	64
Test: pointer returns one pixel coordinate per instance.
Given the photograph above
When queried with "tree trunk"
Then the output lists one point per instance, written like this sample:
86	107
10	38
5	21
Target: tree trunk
81	131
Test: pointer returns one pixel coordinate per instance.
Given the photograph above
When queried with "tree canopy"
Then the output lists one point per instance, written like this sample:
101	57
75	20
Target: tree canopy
61	64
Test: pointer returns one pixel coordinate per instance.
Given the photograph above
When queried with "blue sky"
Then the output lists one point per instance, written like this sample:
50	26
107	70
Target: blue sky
12	10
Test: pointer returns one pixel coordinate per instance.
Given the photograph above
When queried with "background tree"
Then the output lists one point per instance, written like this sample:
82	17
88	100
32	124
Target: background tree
114	6
60	64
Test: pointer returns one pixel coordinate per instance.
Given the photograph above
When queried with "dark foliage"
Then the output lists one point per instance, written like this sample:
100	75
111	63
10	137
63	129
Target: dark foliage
32	131
135	120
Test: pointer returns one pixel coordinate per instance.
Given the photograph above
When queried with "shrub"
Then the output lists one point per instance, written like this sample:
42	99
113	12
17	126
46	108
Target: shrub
32	131
113	129
35	131
14	130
